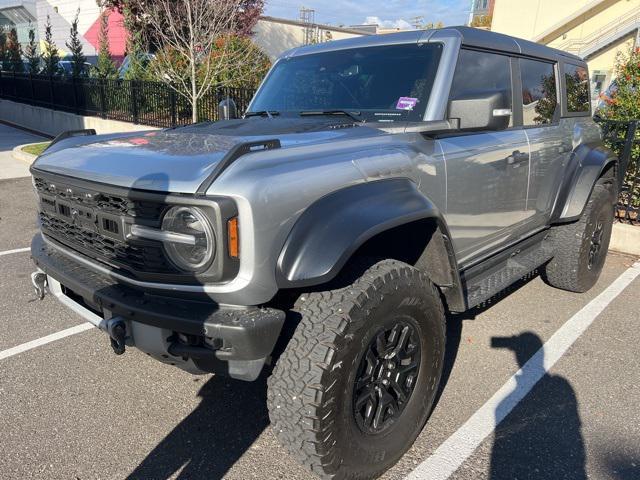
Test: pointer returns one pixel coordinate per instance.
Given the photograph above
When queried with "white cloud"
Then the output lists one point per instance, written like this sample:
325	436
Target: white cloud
399	23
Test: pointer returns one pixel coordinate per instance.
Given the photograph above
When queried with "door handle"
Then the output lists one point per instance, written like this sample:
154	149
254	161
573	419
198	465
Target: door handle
517	157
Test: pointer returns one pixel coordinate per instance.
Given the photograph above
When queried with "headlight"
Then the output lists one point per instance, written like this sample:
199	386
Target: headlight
194	243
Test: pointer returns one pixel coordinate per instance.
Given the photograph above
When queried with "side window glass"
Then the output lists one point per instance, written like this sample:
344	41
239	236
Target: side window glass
480	72
539	98
577	82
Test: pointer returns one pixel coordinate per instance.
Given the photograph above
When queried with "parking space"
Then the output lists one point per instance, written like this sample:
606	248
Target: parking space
72	409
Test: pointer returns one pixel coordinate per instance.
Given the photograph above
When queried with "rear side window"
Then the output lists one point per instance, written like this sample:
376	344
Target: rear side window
577	84
539	97
481	72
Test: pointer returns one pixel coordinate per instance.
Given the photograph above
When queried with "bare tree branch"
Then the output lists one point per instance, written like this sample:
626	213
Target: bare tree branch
193	48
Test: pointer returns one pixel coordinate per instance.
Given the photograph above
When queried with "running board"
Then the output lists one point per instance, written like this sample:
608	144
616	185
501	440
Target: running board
486	279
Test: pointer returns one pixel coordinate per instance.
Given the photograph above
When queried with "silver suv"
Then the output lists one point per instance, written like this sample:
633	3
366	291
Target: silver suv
373	185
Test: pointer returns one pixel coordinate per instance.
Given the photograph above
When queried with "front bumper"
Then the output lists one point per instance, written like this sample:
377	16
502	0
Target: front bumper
198	335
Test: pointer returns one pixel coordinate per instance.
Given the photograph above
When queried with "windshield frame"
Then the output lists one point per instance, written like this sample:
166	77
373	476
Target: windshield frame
436	104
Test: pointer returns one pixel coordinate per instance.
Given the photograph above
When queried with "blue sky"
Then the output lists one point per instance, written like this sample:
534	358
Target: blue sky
386	12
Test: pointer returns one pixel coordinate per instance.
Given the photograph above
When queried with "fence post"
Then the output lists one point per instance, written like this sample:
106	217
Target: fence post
103	100
133	86
51	104
33	93
626	152
75	97
1	83
630	141
174	108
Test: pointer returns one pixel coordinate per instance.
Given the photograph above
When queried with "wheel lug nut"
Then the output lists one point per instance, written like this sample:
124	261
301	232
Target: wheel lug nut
385	382
391	365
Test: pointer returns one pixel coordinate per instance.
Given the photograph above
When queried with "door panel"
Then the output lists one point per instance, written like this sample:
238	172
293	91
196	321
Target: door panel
487	177
549	139
550	152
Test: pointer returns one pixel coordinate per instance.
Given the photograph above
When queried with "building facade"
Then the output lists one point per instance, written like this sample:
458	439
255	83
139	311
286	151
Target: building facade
481	13
26	14
273	35
277	35
596	30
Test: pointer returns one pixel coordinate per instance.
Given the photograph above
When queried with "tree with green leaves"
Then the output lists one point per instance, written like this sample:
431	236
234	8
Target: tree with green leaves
3	48
105	66
50	55
31	53
622	103
14	51
74	45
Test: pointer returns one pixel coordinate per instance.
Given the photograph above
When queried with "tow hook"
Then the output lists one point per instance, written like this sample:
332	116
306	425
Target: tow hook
117	330
39	281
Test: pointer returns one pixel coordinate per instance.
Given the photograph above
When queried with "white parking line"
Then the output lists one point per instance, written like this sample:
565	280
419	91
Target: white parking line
449	456
15	250
44	340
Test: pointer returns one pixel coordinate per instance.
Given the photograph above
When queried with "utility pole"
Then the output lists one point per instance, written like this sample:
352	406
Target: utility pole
308	17
417	21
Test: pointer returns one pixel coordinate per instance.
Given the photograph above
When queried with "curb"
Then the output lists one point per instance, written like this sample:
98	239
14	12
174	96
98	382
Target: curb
625	239
18	154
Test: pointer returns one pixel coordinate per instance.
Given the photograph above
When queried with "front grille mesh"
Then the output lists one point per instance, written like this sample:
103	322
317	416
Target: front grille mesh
87	237
144	258
112	204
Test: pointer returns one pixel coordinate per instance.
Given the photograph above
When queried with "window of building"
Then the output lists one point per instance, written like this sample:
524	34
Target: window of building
539	97
577	84
481	72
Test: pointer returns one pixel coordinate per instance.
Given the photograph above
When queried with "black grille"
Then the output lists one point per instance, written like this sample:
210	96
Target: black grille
146	258
113	204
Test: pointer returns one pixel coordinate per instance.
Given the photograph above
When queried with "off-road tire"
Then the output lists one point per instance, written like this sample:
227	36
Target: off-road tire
311	388
571	268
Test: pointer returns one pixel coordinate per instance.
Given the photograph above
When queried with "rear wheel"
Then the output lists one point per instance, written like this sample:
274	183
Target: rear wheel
581	247
357	381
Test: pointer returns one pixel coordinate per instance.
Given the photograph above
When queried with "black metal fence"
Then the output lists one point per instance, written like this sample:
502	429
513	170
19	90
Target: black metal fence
147	103
623	137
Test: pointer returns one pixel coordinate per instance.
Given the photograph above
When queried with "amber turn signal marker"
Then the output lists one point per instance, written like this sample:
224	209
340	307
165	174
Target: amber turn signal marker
233	237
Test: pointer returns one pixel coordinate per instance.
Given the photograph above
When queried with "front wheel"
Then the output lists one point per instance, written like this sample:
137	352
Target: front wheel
357	381
581	247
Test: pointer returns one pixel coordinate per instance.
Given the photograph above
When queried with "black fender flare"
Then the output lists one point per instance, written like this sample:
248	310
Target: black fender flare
330	231
587	164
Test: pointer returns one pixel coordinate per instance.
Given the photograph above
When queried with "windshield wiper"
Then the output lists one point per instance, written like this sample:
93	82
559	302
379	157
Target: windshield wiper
262	113
353	115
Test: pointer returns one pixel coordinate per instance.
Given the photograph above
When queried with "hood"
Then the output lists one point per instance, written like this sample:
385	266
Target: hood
179	160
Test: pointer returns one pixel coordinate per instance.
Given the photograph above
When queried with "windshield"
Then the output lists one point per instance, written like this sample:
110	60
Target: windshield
385	83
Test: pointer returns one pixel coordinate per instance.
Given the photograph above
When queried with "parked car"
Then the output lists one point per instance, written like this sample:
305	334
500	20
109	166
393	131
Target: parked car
66	68
374	184
126	63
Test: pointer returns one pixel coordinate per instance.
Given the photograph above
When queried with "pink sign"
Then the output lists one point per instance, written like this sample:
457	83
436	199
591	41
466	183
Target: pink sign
406	103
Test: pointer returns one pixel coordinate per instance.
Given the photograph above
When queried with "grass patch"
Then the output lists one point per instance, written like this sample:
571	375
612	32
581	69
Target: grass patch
35	148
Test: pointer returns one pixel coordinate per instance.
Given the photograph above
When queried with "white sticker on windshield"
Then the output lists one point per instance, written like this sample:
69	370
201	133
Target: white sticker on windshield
406	103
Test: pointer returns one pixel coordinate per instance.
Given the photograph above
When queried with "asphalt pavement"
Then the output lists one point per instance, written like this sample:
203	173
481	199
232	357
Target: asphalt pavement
71	409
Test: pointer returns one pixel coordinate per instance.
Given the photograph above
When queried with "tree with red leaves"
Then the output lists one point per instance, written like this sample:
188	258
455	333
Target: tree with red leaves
133	11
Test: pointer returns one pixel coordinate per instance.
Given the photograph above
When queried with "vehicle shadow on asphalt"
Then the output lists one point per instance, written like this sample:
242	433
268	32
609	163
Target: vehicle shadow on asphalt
230	417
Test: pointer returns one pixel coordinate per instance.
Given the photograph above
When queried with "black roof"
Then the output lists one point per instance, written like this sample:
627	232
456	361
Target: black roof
476	37
473	37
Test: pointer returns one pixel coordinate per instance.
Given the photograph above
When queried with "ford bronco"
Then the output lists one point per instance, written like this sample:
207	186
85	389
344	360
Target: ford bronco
372	185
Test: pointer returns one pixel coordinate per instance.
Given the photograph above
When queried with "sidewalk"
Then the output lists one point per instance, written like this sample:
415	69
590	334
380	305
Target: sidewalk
9	138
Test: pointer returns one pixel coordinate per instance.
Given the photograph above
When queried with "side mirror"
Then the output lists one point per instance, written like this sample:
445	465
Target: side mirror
227	109
481	110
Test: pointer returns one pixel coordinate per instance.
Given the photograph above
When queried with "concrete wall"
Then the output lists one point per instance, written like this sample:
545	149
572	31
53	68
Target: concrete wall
276	36
53	122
